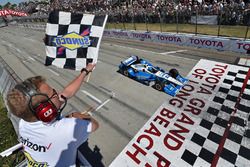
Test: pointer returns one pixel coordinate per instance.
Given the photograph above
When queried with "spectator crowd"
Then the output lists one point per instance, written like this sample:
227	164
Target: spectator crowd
231	11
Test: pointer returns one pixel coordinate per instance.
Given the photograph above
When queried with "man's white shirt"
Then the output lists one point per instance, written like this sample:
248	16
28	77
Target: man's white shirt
53	144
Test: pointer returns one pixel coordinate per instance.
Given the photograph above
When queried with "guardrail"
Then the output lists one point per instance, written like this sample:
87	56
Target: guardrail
178	22
200	41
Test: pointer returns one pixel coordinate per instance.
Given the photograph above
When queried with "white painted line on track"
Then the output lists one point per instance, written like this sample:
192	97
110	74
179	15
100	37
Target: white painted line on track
18	50
147	51
177	51
33	40
53	72
126	47
91	96
100	106
12	46
31	58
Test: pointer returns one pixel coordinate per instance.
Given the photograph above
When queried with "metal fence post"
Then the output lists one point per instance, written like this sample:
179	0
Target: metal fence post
246	32
134	23
248	23
177	21
124	27
146	22
133	17
160	22
220	17
196	21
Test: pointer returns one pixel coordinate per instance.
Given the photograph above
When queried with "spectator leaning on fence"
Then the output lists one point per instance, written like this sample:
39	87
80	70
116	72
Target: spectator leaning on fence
47	139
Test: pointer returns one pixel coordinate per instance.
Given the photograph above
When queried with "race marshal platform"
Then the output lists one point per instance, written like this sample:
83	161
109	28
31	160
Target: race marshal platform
206	124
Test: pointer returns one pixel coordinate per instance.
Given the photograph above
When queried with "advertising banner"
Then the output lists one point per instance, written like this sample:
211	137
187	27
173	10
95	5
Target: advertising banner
142	36
170	38
207	20
7	12
208	42
240	46
121	34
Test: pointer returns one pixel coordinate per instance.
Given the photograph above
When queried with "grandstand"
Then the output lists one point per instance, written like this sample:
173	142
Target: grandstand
233	12
225	17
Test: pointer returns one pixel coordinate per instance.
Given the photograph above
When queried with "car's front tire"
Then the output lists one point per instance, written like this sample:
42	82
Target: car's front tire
158	86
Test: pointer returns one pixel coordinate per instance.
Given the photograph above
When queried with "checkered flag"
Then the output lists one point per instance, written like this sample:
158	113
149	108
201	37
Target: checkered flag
73	40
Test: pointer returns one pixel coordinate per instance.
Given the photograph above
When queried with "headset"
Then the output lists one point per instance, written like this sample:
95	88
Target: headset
46	111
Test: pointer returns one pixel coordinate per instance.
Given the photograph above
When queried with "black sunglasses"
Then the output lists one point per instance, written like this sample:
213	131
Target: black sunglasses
56	94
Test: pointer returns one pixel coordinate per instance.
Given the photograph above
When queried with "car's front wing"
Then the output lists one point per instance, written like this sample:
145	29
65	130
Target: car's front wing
172	89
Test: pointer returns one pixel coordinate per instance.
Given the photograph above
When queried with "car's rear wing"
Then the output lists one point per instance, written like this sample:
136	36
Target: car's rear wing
130	60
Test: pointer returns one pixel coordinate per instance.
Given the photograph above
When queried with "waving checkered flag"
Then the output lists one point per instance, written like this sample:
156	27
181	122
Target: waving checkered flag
73	40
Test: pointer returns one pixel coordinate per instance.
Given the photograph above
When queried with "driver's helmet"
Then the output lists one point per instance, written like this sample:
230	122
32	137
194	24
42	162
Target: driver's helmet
149	68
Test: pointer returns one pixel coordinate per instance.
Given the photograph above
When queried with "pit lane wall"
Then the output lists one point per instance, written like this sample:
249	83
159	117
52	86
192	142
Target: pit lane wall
200	41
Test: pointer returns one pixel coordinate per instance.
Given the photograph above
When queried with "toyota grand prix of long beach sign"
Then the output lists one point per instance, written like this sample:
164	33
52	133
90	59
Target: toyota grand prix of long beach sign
6	12
204	125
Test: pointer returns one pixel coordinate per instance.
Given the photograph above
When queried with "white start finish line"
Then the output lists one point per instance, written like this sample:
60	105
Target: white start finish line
204	125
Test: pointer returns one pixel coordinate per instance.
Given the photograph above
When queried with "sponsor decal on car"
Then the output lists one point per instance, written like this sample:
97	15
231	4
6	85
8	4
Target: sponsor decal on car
162	75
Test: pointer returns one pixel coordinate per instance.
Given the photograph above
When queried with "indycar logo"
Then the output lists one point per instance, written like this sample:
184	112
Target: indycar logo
73	40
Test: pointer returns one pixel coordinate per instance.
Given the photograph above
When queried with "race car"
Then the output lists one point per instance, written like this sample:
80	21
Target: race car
143	71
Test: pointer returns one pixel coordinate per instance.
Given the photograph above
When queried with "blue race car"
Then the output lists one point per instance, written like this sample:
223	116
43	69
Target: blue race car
142	70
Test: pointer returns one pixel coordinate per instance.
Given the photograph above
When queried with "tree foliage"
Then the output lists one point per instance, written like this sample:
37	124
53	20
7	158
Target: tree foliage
8	5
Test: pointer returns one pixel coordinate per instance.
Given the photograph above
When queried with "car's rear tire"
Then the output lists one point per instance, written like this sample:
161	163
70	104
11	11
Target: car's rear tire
173	73
125	72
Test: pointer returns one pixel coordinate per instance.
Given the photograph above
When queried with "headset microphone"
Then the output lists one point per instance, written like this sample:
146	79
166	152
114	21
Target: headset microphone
60	111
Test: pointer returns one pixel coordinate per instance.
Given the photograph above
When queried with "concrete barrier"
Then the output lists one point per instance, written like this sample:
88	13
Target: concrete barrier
200	41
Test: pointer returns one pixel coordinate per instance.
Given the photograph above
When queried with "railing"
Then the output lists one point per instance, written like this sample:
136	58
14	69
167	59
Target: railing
177	22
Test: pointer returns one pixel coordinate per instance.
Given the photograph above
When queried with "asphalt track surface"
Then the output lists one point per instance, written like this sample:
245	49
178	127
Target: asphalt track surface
133	103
